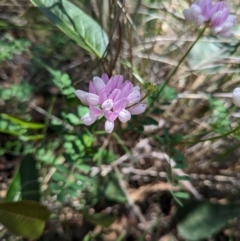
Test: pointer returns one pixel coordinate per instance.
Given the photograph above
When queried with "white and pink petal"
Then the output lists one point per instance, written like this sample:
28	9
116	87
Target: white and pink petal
82	96
98	84
89	119
95	110
138	109
124	116
109	126
92	99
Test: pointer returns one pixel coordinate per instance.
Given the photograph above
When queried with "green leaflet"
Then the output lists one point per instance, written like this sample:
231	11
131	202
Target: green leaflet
76	24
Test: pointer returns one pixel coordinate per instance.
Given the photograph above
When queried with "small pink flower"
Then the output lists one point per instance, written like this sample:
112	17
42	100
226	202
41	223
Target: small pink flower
217	16
113	98
199	12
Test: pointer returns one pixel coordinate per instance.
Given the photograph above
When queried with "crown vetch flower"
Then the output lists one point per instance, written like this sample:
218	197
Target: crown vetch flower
199	12
217	16
221	21
113	98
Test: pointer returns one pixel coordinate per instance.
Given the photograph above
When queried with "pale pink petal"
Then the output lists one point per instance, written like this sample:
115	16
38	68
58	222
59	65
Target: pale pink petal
119	105
95	110
216	30
226	34
124	116
111	85
219	17
206	7
107	104
109	126
98	84
126	90
92	88
187	15
195	10
199	20
231	18
136	88
105	78
119	81
236	96
226	26
134	97
92	99
82	96
138	109
88	119
111	116
102	95
115	94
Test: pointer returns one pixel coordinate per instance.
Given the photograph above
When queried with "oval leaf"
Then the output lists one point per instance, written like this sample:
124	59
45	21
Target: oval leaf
24	218
200	220
76	24
28	171
102	219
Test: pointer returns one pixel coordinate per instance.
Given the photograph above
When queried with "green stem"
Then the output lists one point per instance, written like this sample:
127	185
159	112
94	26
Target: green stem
179	63
121	142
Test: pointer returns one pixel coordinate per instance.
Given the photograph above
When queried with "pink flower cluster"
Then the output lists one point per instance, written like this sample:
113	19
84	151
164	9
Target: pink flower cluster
218	16
114	98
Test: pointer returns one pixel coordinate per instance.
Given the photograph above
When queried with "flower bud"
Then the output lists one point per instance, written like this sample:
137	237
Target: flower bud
236	96
109	125
88	119
124	116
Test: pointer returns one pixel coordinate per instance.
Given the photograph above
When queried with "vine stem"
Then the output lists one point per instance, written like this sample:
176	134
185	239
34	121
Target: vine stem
179	63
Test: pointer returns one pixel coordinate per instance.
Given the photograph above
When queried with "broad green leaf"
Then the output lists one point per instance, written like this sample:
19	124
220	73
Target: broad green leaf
200	220
75	24
183	195
102	219
62	168
83	167
29	178
58	177
207	53
14	190
147	120
113	191
73	119
24	218
104	156
80	177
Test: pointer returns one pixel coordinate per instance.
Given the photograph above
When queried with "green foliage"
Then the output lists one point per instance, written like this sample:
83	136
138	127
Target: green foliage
10	46
13	193
30	188
201	220
20	92
206	50
24	218
219	116
76	24
112	190
63	162
167	95
69	178
102	219
104	156
24	130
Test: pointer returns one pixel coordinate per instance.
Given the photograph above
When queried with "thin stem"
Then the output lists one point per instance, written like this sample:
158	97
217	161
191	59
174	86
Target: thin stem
179	63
